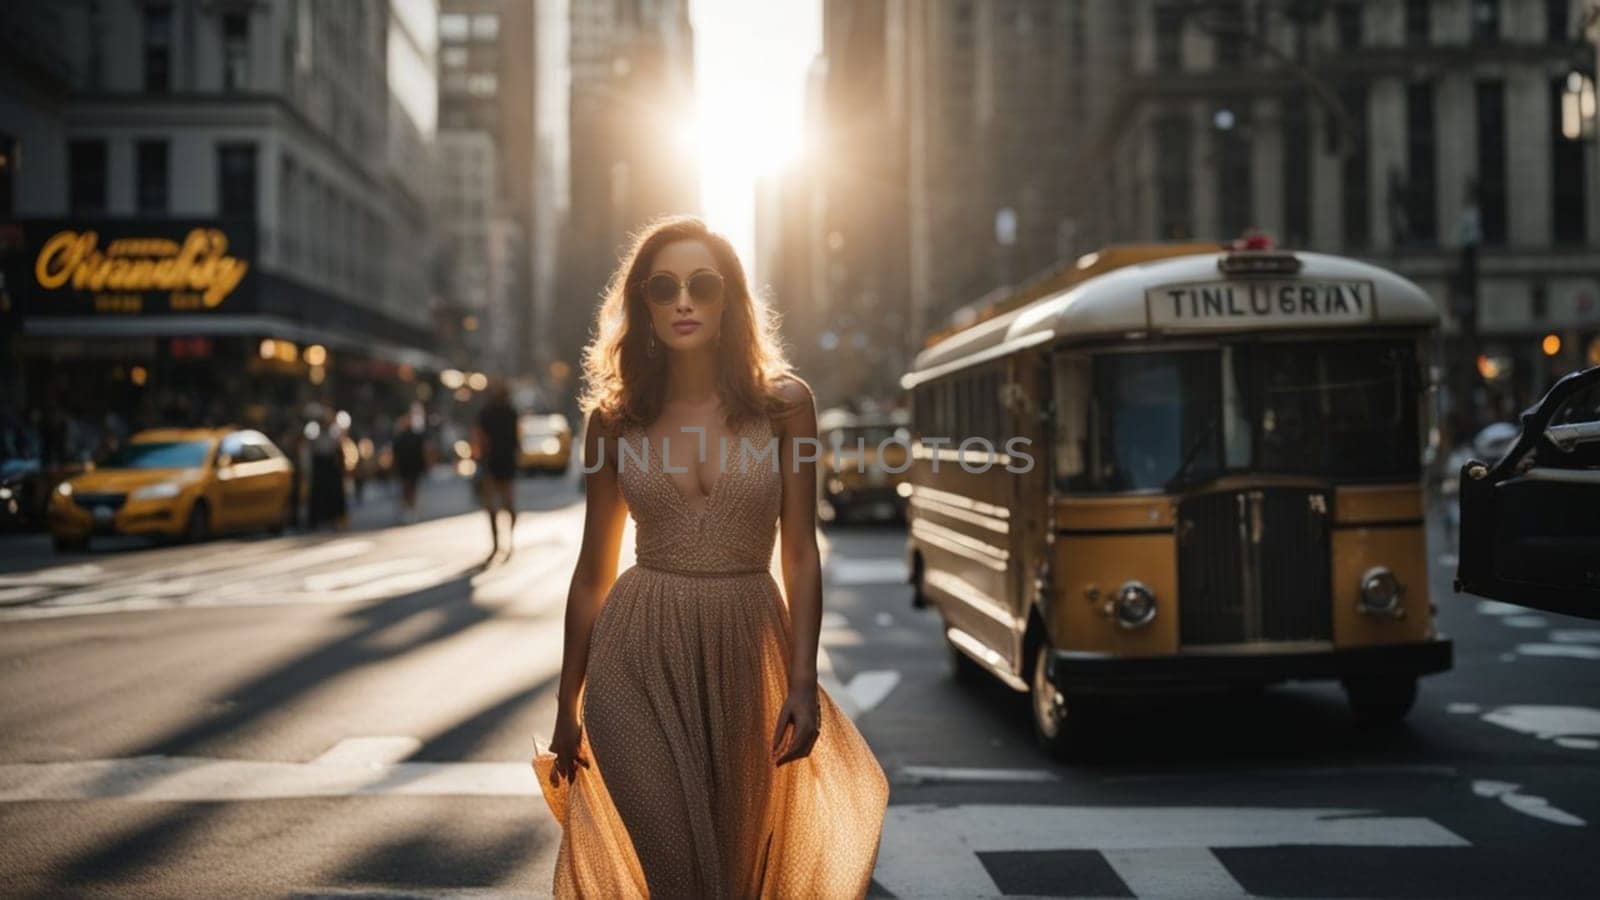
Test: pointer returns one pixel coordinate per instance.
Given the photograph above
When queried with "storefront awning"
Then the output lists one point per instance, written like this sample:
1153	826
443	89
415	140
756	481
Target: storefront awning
89	327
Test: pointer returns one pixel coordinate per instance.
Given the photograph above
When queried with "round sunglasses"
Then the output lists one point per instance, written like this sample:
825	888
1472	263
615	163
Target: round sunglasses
704	286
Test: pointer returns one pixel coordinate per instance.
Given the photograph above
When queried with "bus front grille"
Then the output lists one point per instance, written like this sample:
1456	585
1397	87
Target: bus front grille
1253	567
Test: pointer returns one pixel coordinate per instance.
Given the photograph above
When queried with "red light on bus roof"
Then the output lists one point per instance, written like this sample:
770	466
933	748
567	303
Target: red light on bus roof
1253	240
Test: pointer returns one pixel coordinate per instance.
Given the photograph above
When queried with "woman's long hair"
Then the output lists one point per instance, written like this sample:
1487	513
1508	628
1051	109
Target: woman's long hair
624	385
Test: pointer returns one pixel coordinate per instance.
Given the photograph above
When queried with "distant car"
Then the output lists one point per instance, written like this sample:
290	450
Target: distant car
546	443
1530	518
862	477
188	483
25	479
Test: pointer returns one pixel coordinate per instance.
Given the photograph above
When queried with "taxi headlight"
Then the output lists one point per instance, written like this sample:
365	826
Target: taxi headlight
1380	592
1135	605
551	445
164	490
5	493
64	489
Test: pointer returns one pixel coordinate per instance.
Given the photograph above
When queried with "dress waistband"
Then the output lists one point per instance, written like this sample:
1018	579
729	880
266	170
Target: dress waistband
702	573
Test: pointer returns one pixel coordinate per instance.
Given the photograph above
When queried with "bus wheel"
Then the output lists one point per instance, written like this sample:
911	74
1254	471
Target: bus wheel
1381	700
1052	729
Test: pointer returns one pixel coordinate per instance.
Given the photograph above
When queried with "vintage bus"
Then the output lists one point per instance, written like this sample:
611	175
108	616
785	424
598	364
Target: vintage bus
1188	471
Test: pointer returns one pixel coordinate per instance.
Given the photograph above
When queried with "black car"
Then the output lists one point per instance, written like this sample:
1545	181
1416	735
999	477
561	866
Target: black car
1530	521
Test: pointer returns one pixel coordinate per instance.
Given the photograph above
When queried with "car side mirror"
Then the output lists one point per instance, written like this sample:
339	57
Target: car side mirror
224	460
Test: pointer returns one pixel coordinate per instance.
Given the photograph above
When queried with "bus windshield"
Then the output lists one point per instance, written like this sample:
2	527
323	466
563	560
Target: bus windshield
1163	420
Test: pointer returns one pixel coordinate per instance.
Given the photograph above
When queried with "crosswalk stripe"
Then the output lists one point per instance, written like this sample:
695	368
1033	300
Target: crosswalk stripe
931	850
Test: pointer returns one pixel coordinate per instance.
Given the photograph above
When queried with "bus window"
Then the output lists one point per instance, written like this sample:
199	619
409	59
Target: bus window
1072	417
1341	410
1155	416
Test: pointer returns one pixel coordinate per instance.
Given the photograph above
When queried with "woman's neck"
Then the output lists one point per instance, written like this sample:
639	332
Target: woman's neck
691	378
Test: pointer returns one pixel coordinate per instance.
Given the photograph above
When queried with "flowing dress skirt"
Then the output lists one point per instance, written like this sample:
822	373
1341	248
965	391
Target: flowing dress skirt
687	675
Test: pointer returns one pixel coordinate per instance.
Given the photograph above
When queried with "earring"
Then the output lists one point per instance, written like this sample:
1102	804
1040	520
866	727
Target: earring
651	350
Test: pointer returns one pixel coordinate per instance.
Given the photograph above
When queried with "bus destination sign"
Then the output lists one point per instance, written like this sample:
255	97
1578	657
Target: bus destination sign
1260	304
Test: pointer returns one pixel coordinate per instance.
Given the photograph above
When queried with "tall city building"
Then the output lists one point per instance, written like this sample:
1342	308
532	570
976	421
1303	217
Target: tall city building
216	210
1445	140
631	105
487	134
1402	131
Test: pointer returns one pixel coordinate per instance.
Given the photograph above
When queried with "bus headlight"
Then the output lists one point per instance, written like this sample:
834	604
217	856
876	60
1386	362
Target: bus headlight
1380	592
1135	605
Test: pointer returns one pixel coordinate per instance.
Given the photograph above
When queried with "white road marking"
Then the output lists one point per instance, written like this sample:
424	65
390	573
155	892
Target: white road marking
22	593
1574	727
931	850
372	752
1185	873
833	620
198	779
883	620
1537	807
1570	651
845	570
828	682
1572	743
1526	621
1496	608
1576	635
870	688
86	573
1463	708
954	773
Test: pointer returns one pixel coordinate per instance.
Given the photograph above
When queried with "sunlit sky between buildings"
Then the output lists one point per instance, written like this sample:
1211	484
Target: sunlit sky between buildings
751	59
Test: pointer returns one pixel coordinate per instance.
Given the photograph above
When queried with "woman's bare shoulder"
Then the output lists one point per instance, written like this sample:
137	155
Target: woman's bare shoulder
798	412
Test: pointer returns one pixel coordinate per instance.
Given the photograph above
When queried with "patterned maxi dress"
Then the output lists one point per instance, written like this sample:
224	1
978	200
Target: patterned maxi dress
688	670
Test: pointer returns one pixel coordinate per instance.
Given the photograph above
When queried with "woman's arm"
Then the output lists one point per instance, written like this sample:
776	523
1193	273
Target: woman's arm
605	517
802	562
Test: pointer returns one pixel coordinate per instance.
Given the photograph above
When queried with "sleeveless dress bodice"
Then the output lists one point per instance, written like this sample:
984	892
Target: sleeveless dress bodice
734	529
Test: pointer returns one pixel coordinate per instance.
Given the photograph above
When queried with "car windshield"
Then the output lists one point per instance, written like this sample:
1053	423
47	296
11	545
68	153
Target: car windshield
159	455
1159	421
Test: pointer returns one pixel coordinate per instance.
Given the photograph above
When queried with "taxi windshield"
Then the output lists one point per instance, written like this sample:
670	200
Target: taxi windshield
159	455
1345	410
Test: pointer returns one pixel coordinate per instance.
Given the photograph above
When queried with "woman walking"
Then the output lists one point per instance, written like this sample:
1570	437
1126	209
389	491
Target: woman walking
694	754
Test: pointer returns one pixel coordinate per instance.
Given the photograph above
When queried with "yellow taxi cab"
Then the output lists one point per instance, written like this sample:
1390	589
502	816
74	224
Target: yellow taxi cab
863	465
546	443
189	483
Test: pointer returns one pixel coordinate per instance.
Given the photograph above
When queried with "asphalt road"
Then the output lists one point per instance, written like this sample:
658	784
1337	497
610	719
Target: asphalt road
351	715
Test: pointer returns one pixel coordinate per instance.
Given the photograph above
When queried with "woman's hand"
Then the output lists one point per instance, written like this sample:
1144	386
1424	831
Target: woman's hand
802	711
564	743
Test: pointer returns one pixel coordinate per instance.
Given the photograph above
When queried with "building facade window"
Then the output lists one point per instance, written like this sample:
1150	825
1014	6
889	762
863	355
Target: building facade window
1297	152
236	51
1421	165
1419	23
1557	21
1347	22
454	27
1228	26
1485	21
1233	167
1568	174
1491	181
1355	179
151	176
236	179
1169	36
1538	301
158	48
1174	162
485	26
86	166
8	168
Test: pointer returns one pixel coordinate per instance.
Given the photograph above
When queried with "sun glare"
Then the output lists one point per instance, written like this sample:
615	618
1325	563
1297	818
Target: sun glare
751	61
